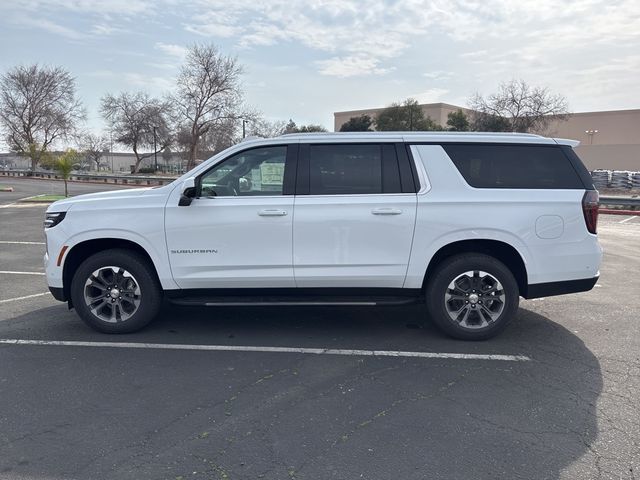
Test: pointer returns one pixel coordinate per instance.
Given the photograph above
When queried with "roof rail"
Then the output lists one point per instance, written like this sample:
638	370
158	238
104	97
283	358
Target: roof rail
405	133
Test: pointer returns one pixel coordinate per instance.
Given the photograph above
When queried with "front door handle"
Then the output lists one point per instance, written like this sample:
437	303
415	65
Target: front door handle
386	211
272	212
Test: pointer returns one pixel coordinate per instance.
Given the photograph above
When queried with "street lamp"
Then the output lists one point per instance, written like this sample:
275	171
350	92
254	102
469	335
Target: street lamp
111	148
244	128
591	133
155	150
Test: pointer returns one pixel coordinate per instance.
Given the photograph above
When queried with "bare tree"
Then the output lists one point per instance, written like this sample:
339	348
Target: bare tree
208	94
261	127
518	107
94	147
38	106
292	127
139	122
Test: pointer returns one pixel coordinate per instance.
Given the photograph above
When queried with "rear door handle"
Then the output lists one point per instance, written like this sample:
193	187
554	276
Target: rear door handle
272	212
386	211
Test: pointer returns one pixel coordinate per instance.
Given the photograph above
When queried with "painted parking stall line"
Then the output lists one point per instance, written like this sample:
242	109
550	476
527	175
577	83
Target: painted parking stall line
26	297
13	272
9	242
242	348
24	205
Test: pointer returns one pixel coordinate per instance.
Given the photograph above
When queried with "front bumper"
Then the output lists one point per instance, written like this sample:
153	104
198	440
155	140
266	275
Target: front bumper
58	293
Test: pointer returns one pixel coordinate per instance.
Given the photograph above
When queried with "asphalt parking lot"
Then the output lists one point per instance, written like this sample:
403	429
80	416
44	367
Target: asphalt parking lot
569	410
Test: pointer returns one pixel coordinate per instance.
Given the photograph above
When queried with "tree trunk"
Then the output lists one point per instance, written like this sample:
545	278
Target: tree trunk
66	189
193	153
138	160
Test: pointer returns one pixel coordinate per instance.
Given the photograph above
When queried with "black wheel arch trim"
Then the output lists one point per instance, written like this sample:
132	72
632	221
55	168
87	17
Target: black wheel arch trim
83	250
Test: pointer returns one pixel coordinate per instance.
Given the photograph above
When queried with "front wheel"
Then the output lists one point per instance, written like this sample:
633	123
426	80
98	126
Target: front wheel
116	291
472	296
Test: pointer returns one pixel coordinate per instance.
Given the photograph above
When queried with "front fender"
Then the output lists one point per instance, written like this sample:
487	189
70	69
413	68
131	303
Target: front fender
157	253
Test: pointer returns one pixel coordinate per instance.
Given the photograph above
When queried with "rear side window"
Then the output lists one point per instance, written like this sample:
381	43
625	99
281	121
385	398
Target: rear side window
343	169
514	166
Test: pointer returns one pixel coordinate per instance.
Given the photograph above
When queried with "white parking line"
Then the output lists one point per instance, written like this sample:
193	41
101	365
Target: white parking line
11	272
9	242
627	219
24	298
240	348
24	205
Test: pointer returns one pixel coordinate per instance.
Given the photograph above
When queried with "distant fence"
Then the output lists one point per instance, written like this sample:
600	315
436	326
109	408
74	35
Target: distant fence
87	177
621	202
615	179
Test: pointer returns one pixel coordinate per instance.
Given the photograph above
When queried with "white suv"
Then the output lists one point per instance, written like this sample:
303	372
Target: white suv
467	223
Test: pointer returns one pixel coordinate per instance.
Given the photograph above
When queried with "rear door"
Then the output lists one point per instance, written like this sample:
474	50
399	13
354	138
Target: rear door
355	211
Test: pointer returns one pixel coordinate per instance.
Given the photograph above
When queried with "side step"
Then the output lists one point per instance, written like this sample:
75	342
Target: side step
263	301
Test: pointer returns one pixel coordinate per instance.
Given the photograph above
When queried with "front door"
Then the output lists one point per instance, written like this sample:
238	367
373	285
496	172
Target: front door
237	232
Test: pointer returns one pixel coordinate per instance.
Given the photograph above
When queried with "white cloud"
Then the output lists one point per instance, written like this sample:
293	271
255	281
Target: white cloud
139	81
120	7
431	95
107	29
368	38
46	25
177	51
351	66
438	75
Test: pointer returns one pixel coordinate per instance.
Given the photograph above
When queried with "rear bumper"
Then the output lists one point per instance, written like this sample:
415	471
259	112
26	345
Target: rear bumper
537	290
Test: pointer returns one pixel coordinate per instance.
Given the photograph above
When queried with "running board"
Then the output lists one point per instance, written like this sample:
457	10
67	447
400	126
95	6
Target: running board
262	301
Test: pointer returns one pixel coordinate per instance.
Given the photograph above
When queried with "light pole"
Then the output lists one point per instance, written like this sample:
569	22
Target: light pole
111	149
244	128
591	133
155	150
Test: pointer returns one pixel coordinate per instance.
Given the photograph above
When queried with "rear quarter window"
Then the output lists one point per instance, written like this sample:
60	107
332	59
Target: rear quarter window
514	166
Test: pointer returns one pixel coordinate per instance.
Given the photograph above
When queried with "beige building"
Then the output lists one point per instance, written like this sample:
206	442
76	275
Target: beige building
608	139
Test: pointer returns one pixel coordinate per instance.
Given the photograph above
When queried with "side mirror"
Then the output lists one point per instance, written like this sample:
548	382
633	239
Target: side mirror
188	192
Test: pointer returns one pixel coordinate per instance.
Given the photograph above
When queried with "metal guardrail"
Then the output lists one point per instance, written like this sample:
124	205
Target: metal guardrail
620	201
87	177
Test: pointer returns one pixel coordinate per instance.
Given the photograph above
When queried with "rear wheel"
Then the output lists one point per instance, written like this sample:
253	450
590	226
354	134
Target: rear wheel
116	291
472	296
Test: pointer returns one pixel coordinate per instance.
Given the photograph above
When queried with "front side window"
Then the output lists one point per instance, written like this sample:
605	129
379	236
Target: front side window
255	172
345	169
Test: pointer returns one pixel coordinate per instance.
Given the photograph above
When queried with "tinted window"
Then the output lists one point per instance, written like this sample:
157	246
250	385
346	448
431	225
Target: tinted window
345	169
514	166
259	171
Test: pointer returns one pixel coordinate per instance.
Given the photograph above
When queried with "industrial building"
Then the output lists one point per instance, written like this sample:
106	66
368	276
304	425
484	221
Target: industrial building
608	139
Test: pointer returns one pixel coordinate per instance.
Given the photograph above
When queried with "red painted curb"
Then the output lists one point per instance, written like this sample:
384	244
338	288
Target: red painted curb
609	211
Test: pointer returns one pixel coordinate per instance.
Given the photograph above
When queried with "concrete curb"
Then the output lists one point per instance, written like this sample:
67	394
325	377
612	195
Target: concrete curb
7	189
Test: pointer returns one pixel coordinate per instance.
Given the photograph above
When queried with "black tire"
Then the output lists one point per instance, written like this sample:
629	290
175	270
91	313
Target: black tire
143	276
454	268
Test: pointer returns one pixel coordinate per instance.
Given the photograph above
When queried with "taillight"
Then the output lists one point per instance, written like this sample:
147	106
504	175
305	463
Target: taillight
590	203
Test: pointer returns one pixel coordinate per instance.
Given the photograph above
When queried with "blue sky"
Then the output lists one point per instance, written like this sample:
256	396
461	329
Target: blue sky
306	59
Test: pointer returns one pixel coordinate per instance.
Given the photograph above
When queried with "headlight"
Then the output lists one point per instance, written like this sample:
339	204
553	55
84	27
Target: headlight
53	219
